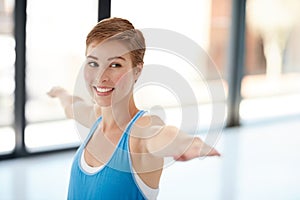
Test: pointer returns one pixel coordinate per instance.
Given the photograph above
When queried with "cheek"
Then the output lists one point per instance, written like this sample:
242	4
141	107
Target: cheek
89	75
123	87
125	81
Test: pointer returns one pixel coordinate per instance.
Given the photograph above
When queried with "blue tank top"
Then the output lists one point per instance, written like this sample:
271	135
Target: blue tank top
114	181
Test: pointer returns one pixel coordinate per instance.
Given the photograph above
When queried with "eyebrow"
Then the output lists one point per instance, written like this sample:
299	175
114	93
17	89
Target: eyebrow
93	57
116	57
109	59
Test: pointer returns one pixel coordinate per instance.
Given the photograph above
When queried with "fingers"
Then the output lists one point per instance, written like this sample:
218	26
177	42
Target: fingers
51	93
180	158
56	91
197	149
189	155
207	150
213	152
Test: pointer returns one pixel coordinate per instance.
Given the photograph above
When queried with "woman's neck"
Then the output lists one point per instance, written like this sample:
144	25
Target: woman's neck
119	115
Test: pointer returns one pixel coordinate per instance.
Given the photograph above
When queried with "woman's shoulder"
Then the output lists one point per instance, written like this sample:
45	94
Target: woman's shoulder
148	120
147	126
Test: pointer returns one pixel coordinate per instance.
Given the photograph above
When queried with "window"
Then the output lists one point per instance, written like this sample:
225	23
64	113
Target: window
270	87
7	86
56	32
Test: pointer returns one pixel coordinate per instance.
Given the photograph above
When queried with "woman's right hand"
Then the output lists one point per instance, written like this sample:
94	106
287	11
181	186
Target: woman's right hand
56	91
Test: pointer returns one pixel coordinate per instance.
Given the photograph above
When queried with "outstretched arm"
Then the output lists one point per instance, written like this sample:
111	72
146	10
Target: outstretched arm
169	141
75	107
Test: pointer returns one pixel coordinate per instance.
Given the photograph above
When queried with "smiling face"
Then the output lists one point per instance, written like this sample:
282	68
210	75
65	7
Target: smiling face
109	73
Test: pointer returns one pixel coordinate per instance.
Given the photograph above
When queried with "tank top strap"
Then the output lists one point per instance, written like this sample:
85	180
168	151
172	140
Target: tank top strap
120	159
133	120
123	143
92	130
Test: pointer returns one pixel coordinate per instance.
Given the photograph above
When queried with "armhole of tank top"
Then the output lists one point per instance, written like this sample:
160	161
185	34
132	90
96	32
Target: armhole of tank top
148	192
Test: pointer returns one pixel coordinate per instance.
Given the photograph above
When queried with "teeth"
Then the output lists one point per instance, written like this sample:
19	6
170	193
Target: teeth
103	89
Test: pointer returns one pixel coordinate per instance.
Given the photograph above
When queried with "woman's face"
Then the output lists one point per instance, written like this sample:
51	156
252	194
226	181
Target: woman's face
108	72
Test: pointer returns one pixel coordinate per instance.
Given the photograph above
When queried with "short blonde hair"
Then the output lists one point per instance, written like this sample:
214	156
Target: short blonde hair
121	30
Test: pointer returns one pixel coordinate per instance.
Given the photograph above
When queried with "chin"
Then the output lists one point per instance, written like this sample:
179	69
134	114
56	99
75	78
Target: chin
103	104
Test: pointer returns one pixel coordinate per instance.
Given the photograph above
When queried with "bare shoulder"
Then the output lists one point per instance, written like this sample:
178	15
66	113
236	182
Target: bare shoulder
147	125
145	128
150	120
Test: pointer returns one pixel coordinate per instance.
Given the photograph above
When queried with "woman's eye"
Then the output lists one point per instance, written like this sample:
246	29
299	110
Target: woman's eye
114	65
93	64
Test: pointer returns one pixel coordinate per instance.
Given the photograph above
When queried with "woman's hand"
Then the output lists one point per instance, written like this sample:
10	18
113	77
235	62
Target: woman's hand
197	149
57	92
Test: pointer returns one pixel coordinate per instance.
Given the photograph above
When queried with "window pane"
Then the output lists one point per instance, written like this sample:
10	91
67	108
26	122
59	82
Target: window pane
7	84
56	32
271	86
7	140
53	135
207	24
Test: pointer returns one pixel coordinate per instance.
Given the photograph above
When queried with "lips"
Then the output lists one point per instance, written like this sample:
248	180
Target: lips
103	91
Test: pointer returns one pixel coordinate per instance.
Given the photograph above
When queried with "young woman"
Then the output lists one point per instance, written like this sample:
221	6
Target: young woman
123	155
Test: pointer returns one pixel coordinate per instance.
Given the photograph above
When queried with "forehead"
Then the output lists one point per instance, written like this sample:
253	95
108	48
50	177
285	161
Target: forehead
107	49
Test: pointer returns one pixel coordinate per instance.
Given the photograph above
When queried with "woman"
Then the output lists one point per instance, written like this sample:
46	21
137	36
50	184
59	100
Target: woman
123	155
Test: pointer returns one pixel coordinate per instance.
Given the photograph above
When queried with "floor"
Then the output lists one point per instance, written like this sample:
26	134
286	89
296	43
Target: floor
259	161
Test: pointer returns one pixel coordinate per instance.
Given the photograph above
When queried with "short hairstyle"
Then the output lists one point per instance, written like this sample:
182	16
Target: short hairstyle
121	30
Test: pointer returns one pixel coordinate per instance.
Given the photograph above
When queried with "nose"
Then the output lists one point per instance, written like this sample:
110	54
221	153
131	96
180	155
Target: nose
102	76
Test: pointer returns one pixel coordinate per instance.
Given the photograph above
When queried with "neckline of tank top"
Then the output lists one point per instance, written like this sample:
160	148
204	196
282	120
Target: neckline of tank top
136	116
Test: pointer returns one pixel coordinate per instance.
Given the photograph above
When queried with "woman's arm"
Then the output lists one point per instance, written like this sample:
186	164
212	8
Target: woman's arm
171	142
75	107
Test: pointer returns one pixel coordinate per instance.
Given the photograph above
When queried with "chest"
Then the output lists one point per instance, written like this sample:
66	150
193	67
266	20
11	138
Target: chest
101	147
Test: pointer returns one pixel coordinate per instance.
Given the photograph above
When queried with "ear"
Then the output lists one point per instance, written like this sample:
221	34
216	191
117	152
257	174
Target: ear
137	70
